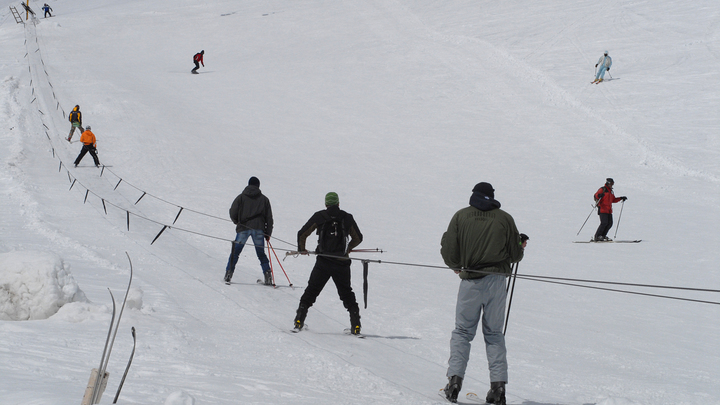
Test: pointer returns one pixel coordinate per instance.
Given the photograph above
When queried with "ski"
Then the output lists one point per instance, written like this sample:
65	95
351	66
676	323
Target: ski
98	388
473	397
298	330
359	335
127	368
442	395
98	381
261	282
609	241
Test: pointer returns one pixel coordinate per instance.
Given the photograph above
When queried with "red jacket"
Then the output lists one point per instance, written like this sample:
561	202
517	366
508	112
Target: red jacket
198	58
606	199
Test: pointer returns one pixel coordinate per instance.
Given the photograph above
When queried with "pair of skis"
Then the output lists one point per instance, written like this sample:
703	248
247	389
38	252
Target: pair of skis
99	376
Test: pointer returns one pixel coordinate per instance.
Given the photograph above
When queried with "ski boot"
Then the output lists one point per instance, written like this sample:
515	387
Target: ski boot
300	317
355	322
228	277
268	278
452	389
496	395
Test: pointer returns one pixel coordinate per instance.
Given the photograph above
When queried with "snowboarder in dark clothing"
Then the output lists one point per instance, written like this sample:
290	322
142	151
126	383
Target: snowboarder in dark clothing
75	119
89	145
604	199
252	215
47	10
333	226
198	59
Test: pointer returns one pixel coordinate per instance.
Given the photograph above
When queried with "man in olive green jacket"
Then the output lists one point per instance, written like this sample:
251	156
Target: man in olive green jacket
480	244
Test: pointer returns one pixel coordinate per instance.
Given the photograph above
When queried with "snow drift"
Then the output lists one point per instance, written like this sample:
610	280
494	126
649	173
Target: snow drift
35	285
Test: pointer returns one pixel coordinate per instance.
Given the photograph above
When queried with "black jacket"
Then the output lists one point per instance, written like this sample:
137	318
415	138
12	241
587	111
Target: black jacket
319	217
251	210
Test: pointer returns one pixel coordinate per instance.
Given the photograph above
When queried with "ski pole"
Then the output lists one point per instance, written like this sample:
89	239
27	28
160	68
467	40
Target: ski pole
278	261
127	368
619	218
608	72
272	273
365	281
586	219
507	315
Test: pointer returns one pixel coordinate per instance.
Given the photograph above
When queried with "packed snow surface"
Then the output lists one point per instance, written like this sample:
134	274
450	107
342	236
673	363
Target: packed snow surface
401	107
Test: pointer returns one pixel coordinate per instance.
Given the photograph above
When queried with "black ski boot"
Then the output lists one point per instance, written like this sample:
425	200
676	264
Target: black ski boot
228	277
496	395
355	322
300	317
453	387
268	278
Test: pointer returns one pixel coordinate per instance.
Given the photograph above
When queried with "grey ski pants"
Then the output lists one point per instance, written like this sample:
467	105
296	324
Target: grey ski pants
486	297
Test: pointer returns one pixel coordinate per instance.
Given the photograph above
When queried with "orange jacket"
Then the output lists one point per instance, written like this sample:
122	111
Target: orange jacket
88	138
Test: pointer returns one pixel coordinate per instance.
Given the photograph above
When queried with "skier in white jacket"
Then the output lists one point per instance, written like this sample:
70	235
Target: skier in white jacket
604	62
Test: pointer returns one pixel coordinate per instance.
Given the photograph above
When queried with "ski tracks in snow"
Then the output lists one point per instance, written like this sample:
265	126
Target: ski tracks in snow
460	53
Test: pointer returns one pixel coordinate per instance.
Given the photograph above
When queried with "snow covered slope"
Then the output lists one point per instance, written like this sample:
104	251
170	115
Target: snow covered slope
400	107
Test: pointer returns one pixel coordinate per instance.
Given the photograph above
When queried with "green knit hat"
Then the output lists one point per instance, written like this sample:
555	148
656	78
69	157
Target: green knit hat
331	199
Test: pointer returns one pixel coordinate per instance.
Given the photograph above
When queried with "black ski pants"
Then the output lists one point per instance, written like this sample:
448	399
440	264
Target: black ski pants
86	149
324	270
606	222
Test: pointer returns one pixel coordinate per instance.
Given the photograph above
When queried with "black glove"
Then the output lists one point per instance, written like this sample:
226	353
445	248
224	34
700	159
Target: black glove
596	65
608	69
600	196
623	198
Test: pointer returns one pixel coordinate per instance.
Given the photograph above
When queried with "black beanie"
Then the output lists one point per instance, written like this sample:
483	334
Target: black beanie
254	181
484	188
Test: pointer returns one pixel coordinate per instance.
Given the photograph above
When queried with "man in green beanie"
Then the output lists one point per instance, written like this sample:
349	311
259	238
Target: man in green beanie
333	226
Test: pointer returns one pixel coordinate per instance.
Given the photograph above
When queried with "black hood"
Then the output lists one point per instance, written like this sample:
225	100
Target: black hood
252	191
483	202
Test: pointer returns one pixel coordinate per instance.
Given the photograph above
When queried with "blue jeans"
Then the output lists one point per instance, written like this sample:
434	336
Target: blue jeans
258	239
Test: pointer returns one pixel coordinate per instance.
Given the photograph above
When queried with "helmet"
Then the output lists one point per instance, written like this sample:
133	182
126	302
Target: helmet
87	127
606	52
609	181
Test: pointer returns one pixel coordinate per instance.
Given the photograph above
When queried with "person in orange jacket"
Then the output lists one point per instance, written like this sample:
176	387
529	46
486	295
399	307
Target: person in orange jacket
89	145
604	199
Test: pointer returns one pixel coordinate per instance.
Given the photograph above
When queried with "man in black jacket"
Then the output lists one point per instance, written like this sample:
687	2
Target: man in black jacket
334	226
252	215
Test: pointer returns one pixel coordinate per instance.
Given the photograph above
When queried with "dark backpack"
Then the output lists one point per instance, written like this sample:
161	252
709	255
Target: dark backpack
332	236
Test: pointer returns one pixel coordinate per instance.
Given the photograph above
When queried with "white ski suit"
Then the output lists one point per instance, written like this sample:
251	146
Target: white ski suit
603	65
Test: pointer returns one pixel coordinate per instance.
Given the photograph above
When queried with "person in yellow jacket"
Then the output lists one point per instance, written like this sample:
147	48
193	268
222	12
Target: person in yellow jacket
75	119
89	145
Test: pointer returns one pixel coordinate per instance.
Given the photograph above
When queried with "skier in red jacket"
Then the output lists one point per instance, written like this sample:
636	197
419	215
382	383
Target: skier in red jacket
604	199
198	59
